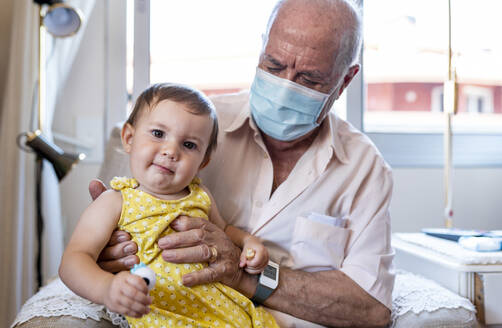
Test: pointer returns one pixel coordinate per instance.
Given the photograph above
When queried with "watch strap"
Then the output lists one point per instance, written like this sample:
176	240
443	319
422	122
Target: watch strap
262	293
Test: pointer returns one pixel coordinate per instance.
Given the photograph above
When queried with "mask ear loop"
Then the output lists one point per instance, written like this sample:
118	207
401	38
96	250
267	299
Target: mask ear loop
324	105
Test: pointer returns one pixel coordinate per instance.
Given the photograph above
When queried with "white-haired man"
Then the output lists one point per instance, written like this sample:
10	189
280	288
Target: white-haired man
283	157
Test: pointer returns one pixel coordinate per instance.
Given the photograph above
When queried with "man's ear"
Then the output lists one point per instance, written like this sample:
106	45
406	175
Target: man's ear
351	72
348	78
205	161
127	135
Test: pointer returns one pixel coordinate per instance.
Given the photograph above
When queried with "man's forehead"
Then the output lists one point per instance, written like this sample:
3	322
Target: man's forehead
305	50
325	19
307	29
314	73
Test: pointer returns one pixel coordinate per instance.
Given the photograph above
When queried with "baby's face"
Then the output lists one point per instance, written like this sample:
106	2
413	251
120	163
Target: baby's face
167	147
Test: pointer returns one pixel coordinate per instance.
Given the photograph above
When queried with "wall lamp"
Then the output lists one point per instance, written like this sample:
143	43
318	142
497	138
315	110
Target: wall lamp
62	161
60	20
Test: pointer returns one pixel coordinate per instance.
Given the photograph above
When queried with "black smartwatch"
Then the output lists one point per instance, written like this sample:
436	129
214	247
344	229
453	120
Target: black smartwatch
267	283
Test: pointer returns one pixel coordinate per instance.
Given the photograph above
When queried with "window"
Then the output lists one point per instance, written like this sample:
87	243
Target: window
398	97
404	65
200	43
211	45
479	100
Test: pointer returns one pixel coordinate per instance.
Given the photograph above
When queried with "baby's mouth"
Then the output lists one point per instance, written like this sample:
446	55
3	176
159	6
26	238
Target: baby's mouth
164	168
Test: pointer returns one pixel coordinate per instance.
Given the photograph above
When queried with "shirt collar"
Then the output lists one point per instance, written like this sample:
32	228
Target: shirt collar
328	127
333	124
239	119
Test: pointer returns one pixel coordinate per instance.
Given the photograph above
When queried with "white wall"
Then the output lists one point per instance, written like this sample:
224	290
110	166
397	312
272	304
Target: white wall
418	199
94	96
83	99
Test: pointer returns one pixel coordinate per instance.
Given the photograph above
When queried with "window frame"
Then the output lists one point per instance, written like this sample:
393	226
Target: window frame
399	149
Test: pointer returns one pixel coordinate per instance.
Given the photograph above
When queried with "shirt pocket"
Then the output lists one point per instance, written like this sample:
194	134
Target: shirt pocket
318	246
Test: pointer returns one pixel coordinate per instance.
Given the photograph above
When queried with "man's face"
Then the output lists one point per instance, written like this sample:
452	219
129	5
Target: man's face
304	51
300	56
167	147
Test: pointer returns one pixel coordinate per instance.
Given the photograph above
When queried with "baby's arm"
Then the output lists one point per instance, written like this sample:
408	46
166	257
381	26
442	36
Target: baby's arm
124	293
254	256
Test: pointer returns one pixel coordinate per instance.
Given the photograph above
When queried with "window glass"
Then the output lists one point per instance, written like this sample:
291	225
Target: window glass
211	45
405	64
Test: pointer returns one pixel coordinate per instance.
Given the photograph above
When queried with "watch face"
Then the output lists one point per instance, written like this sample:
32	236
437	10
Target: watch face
270	276
270	272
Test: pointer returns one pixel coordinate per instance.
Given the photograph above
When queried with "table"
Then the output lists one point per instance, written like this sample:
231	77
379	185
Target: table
474	275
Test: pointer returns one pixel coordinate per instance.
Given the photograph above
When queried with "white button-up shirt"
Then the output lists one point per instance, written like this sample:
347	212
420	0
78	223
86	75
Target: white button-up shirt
342	175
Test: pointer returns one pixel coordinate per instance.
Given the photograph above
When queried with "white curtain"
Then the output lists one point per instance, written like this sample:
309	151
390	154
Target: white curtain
16	167
17	204
60	53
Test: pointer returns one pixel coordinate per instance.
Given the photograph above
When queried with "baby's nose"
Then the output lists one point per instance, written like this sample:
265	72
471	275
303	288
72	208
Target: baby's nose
171	151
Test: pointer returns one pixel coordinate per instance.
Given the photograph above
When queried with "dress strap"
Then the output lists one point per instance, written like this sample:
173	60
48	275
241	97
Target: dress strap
196	181
119	183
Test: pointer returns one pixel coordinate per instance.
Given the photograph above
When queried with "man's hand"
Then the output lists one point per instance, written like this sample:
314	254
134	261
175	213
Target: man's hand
195	241
119	253
96	188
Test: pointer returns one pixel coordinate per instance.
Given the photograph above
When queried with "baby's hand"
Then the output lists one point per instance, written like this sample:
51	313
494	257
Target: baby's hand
254	256
128	295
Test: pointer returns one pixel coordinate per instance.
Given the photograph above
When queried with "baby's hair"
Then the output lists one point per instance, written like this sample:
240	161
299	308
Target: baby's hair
195	100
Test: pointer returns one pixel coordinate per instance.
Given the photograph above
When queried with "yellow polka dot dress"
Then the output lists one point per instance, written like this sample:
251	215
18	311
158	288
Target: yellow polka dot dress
147	219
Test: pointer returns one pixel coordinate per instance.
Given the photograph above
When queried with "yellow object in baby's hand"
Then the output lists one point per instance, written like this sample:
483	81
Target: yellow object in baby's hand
250	253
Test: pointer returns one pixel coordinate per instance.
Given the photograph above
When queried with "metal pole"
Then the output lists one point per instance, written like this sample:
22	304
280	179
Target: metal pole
41	71
450	108
40	161
40	220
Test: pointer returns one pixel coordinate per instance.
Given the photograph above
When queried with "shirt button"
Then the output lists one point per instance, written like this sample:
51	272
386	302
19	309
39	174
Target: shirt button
265	156
259	204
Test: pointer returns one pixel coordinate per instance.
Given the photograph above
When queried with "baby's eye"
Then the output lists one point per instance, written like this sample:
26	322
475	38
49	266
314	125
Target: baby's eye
157	133
189	145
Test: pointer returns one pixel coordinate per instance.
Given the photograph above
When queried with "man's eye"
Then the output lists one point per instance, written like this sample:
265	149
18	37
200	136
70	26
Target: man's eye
157	133
189	145
274	69
309	82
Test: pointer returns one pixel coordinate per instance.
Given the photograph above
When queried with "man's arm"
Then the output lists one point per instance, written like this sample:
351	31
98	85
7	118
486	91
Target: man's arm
342	297
328	297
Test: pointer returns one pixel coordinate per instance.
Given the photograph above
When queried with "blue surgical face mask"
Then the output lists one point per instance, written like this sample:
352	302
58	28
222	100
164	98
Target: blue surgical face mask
282	109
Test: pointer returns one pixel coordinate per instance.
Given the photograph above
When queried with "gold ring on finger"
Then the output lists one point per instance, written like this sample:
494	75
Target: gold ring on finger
214	254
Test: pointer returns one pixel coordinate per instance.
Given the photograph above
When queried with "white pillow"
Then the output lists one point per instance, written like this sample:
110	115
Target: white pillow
420	302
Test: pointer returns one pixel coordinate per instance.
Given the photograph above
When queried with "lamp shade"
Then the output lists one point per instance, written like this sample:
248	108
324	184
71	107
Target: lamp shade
61	20
62	161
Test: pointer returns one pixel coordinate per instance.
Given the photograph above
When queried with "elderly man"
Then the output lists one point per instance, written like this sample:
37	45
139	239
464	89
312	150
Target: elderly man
283	157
